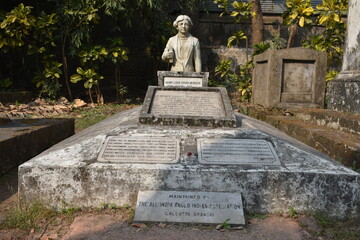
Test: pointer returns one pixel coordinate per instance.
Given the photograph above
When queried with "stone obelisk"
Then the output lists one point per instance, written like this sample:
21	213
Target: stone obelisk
344	90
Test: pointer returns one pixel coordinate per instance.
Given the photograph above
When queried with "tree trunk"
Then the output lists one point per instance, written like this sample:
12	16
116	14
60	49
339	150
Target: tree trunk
65	66
292	35
257	23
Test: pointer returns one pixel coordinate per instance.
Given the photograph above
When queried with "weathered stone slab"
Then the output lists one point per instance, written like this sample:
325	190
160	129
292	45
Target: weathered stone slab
22	139
189	207
126	149
183	79
187	106
68	173
236	151
289	78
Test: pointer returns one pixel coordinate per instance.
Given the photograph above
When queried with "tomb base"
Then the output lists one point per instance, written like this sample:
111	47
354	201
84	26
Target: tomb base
70	174
344	92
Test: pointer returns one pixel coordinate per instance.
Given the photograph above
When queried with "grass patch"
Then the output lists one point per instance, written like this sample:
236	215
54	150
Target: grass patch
339	229
252	215
88	116
29	217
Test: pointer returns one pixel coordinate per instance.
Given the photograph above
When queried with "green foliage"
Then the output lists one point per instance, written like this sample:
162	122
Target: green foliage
331	75
117	52
5	83
89	76
69	27
330	14
43	35
236	82
240	9
69	211
16	27
276	42
48	78
260	48
238	36
292	212
225	224
298	12
257	215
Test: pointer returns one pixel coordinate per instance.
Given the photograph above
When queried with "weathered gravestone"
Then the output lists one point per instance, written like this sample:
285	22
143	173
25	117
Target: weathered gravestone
183	157
292	77
344	90
187	107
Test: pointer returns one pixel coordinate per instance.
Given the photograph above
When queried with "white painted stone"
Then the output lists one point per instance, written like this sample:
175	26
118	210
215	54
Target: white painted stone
189	207
187	103
236	151
352	52
183	82
139	149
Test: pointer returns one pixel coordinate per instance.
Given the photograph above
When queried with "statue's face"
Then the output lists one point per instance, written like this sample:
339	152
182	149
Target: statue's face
183	26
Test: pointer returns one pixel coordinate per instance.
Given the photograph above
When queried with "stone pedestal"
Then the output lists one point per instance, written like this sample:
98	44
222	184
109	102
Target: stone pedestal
344	90
292	77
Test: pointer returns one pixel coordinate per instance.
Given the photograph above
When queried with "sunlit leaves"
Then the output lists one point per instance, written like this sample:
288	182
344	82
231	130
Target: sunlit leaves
298	12
237	37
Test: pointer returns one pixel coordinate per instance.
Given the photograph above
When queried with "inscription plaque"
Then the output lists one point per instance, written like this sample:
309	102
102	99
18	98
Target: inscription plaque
189	207
187	103
236	151
183	82
134	149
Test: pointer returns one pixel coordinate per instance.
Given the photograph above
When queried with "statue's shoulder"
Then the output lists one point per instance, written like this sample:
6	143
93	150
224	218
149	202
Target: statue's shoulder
173	38
194	40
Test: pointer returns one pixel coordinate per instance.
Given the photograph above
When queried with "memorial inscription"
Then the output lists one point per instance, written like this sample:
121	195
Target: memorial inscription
183	82
236	151
187	103
189	207
123	149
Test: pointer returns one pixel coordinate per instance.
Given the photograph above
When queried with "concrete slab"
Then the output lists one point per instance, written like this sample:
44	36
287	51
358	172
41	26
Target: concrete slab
69	174
23	139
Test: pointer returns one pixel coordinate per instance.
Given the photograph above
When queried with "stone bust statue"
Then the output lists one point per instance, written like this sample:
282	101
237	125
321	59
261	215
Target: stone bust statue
183	50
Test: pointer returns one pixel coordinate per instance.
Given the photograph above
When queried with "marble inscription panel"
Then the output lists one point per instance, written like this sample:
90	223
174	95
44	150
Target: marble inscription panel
187	103
236	151
189	207
130	149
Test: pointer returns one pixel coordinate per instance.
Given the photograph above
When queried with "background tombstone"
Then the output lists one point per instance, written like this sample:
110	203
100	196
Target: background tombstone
344	90
292	77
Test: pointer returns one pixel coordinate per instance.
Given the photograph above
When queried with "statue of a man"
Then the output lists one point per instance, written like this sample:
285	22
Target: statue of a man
183	50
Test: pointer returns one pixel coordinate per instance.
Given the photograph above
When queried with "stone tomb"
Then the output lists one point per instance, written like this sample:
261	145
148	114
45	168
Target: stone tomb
68	174
292	77
189	207
182	79
208	107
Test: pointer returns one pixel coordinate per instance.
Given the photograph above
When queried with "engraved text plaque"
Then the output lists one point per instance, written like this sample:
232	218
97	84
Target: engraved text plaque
130	149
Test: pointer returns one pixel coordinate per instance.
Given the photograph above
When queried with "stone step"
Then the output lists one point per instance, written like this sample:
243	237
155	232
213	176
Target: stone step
332	119
342	146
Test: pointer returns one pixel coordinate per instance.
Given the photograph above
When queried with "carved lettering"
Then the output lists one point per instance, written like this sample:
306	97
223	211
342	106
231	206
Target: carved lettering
140	149
187	103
